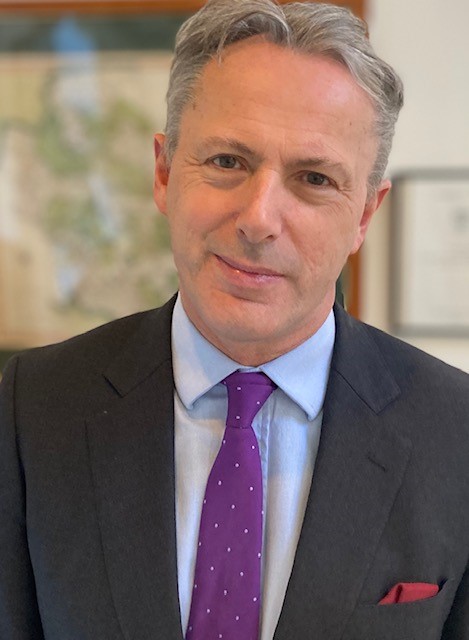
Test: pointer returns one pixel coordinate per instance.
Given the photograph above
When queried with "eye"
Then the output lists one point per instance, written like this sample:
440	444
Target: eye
317	179
226	162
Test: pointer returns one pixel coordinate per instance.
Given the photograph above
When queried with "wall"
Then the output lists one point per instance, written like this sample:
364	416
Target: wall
426	41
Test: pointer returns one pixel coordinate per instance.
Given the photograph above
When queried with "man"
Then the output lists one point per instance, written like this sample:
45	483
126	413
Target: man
280	123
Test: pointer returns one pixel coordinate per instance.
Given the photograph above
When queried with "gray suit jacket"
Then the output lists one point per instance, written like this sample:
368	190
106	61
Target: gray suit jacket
87	513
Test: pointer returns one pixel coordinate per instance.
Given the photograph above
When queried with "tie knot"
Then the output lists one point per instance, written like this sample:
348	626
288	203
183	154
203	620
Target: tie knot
247	392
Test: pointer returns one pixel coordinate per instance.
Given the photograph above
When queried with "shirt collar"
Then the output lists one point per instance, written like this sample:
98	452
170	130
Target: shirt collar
301	373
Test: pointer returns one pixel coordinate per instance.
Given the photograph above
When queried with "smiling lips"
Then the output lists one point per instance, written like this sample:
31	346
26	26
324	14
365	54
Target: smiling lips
246	273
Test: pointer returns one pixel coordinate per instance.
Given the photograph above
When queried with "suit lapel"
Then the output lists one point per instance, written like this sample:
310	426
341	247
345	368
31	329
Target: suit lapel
359	469
132	456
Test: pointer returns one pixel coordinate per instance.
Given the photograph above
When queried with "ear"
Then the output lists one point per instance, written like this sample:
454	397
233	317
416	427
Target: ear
372	204
160	185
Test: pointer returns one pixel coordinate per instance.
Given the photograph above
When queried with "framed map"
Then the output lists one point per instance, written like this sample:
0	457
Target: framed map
82	90
80	239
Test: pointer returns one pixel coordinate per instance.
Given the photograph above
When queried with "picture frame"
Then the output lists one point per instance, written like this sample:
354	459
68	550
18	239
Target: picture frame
52	249
430	253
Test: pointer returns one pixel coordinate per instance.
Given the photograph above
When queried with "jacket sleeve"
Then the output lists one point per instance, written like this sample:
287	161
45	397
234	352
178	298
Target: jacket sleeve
457	623
19	614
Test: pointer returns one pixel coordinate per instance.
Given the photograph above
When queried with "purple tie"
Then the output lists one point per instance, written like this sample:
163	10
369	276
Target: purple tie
227	586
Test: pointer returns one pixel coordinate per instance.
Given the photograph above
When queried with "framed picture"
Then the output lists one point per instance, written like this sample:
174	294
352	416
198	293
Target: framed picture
430	253
80	240
82	87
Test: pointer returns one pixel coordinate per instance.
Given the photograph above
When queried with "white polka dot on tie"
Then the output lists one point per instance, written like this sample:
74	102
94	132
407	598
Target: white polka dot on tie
238	417
208	610
241	573
195	586
190	628
232	506
238	388
224	441
216	525
251	488
236	617
246	530
253	446
212	568
205	501
220	635
259	555
200	544
254	599
236	464
219	483
228	549
225	592
258	402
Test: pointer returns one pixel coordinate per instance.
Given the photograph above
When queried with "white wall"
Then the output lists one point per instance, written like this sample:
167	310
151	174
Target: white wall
427	42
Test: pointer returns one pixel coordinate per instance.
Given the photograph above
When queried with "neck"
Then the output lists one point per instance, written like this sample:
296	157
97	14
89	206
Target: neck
255	352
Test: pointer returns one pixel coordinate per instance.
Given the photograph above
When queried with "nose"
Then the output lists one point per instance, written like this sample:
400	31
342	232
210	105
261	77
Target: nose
259	218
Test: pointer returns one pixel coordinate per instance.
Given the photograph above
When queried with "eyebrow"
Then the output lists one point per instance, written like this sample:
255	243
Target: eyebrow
321	163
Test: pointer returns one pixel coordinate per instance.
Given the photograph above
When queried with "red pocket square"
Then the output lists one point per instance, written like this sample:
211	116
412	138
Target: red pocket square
410	592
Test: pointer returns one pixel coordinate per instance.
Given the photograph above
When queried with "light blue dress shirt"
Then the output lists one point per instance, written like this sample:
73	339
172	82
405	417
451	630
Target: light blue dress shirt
288	428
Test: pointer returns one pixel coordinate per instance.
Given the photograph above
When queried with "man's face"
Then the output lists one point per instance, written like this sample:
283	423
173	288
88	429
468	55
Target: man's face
266	195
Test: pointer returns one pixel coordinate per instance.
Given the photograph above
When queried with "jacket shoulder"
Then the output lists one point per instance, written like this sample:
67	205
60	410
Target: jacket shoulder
404	361
72	373
91	349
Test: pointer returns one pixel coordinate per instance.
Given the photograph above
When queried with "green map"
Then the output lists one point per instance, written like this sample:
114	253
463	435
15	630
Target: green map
81	241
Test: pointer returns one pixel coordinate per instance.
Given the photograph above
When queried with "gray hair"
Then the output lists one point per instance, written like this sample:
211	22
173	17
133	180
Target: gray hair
308	27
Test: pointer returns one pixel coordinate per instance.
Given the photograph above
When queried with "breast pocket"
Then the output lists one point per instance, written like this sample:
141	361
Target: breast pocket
420	620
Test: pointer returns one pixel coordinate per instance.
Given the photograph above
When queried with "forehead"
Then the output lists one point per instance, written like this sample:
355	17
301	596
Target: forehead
299	80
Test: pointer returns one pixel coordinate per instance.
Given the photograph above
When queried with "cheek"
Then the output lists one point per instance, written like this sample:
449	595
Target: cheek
313	257
189	230
198	211
325	245
344	224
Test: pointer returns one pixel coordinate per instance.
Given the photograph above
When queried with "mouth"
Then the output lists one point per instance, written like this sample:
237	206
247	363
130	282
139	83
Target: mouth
249	270
241	277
